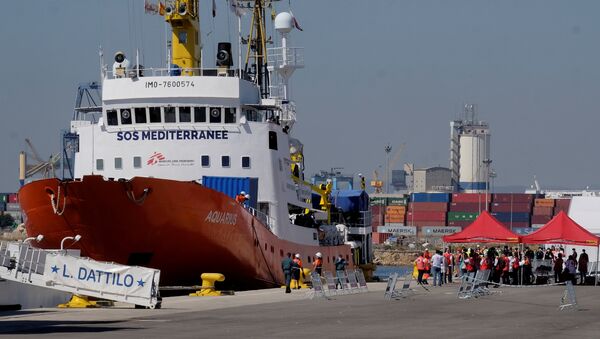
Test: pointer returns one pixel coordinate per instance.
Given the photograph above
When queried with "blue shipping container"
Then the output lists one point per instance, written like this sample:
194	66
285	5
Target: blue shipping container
350	200
515	217
232	186
430	197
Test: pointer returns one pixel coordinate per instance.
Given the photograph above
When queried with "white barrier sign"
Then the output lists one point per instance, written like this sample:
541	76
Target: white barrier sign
398	230
439	231
87	274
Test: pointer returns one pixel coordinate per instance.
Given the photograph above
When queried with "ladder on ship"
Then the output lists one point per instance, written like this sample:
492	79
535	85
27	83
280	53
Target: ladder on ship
63	271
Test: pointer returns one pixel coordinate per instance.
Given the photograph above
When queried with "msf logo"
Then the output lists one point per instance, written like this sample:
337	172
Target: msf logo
155	158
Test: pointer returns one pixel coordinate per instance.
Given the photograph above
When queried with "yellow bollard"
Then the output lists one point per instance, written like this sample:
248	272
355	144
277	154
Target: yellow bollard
208	285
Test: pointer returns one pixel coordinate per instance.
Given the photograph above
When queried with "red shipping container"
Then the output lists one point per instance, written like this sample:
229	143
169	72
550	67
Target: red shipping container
513	197
540	219
559	209
428	206
461	223
377	210
542	210
376	221
13	198
514	207
428	223
467	207
563	204
470	197
425	215
380	238
516	224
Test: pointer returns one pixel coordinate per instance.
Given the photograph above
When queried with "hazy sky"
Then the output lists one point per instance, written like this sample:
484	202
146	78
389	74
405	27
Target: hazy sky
376	72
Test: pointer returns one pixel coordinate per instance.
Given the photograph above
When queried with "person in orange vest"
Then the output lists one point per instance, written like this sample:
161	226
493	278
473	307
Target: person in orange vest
241	198
516	268
427	272
420	267
297	269
505	269
318	263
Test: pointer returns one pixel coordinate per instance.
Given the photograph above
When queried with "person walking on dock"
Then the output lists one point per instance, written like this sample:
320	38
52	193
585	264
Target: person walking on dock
286	266
436	262
583	266
340	270
558	267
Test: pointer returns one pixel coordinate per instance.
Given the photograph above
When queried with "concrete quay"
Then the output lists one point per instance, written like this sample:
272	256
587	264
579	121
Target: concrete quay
530	312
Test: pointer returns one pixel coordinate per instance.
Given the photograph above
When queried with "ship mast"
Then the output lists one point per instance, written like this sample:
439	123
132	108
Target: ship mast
257	47
182	16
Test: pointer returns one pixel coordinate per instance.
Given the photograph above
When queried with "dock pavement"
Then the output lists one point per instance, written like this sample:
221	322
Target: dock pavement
530	312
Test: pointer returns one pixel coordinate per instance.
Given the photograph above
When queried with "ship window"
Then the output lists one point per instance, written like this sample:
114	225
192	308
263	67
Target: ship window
185	114
111	117
126	116
199	114
230	115
245	162
155	114
140	115
215	115
118	163
273	140
137	162
170	114
205	160
225	161
100	163
272	249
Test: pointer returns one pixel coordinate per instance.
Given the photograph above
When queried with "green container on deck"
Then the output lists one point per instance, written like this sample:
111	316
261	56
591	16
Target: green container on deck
3	197
462	216
397	201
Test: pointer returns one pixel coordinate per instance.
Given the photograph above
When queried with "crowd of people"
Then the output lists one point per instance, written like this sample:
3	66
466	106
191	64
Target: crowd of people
508	266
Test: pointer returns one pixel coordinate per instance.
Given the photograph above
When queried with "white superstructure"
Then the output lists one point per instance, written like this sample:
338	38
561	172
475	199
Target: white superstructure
157	124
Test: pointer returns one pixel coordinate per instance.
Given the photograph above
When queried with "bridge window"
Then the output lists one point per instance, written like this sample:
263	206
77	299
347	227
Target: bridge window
137	162
125	116
205	160
99	164
118	163
170	114
273	140
155	114
230	115
111	117
199	114
245	162
225	161
140	115
185	114
215	115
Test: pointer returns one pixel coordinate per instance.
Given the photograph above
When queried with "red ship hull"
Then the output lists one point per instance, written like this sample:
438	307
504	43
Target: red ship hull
181	228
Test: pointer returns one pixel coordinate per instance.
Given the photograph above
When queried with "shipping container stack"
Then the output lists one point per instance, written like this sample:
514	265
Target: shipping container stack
465	208
9	204
386	211
543	211
377	206
561	205
512	209
427	209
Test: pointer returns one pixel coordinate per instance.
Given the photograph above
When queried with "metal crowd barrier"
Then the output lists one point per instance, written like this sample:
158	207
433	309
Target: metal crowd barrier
351	282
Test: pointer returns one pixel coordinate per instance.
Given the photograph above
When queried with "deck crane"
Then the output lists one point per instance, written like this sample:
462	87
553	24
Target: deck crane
46	168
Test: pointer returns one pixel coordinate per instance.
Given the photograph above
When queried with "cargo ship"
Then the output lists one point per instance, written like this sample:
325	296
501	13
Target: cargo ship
158	166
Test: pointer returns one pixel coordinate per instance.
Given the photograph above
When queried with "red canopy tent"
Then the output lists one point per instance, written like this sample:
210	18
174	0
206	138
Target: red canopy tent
484	229
562	230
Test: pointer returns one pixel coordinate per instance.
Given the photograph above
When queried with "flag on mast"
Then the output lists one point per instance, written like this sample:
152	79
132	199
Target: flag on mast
296	24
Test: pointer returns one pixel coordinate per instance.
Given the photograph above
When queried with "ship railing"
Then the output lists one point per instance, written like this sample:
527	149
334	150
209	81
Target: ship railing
285	57
262	217
176	72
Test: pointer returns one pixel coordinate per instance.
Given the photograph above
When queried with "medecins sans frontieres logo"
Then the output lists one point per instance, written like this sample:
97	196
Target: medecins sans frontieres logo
155	158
